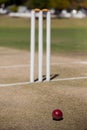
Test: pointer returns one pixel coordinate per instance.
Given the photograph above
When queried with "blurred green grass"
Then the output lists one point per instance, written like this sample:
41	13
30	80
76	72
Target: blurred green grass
67	35
69	39
14	38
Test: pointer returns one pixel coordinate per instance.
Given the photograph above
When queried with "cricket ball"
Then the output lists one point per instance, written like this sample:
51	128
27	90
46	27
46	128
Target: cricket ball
57	114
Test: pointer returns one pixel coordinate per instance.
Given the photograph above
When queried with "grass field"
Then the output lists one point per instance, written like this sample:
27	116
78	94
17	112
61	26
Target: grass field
67	35
29	107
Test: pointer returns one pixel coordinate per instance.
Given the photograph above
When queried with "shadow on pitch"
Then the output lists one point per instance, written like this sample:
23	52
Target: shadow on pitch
53	76
58	119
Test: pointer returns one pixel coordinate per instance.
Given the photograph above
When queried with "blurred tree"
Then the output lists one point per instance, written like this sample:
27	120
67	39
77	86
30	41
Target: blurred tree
83	4
17	2
78	4
73	4
57	4
3	1
60	4
38	3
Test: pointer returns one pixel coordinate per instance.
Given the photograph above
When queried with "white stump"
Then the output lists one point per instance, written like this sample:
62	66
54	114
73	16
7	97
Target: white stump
40	47
32	46
48	45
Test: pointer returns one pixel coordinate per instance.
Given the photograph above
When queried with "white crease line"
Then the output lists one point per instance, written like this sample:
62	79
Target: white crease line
14	84
83	62
27	83
14	66
27	65
18	84
67	79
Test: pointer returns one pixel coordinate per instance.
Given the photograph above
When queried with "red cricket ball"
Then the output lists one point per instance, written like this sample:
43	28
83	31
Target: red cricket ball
57	114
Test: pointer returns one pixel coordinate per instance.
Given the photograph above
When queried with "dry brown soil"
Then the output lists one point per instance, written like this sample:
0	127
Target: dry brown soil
29	107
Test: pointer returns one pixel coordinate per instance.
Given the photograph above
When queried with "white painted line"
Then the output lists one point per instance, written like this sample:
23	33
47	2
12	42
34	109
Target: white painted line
67	79
84	62
80	62
14	84
14	66
18	84
27	65
27	83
